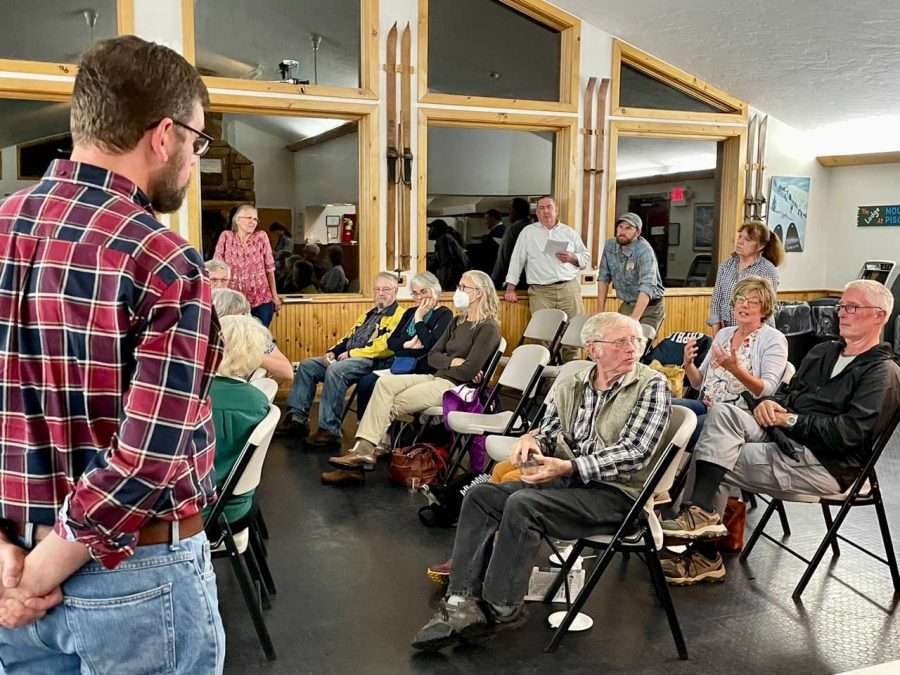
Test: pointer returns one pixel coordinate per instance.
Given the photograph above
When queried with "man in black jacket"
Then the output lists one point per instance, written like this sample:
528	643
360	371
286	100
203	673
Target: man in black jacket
832	411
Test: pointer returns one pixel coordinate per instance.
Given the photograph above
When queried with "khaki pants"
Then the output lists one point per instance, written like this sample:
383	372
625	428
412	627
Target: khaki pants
566	297
653	315
399	395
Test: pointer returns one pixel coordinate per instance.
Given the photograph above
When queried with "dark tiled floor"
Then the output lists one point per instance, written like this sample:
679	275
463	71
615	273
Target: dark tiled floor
349	564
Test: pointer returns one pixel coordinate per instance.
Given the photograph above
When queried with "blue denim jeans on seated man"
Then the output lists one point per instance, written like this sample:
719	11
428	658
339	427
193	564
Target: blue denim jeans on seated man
157	612
337	377
700	409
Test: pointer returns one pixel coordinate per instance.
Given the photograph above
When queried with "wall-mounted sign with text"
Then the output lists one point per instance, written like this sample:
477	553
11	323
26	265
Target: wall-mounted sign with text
878	216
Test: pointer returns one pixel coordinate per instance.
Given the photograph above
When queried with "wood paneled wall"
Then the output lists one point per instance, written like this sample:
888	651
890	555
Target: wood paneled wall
305	329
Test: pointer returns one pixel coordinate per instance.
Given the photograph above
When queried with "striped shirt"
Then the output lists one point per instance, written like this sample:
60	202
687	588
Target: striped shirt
727	277
108	347
595	461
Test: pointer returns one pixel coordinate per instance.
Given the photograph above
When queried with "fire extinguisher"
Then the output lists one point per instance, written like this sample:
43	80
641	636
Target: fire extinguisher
348	228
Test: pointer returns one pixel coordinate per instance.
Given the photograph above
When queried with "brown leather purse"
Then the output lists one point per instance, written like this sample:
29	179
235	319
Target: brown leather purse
735	520
415	465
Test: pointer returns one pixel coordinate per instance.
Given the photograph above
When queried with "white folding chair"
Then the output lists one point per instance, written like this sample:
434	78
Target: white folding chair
522	374
571	338
267	386
640	532
258	374
243	547
545	325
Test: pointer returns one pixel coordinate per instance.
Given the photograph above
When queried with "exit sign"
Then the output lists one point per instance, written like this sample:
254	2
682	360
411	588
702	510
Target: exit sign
678	196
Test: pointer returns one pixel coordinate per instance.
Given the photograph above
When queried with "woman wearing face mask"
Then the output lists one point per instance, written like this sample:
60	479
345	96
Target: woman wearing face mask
457	358
758	253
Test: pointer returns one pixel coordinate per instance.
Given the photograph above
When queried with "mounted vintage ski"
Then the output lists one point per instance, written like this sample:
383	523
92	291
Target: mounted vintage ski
600	133
760	212
751	157
390	69
586	155
405	145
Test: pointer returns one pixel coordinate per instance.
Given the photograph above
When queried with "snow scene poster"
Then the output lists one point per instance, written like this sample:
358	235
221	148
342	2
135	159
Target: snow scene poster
788	207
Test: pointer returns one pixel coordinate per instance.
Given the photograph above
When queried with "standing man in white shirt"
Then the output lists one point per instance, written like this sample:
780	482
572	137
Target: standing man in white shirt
552	255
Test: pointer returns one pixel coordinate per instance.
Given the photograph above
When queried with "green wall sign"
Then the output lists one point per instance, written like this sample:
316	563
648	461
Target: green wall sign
878	216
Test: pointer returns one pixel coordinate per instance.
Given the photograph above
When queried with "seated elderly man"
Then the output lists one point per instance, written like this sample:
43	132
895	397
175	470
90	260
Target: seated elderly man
219	273
358	353
592	452
829	416
228	302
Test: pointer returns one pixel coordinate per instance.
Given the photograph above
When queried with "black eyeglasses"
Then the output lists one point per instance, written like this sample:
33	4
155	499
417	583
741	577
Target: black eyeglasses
201	143
851	308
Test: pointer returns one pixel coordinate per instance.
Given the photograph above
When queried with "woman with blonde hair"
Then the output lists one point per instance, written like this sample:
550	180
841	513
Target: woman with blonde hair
248	253
457	358
757	252
237	407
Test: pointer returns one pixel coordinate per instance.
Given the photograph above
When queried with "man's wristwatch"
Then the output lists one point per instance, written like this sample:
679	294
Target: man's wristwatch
790	420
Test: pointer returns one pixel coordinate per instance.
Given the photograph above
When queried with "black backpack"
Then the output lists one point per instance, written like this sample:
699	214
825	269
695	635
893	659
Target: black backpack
445	501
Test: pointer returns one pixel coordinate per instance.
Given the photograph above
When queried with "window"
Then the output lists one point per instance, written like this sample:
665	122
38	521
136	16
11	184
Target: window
56	31
33	134
640	90
302	175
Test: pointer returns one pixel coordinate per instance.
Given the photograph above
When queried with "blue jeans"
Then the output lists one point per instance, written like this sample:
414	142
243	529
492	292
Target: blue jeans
364	389
157	612
337	378
700	409
264	313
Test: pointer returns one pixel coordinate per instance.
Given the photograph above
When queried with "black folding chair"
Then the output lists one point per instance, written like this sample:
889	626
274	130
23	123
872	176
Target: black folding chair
635	534
865	491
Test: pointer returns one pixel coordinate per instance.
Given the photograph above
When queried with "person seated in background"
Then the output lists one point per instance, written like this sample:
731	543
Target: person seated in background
228	302
311	255
827	417
237	406
420	327
458	357
747	356
219	273
335	279
284	242
283	263
582	470
363	349
302	278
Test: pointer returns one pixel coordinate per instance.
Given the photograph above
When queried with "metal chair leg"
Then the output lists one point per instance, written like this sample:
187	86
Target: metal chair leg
886	536
820	552
262	594
258	549
246	585
567	565
758	530
665	597
826	512
782	515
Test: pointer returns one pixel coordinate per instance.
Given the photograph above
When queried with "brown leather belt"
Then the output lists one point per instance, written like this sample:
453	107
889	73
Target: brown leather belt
153	533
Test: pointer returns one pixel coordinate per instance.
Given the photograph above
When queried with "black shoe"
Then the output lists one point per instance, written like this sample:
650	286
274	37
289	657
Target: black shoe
290	426
324	439
451	624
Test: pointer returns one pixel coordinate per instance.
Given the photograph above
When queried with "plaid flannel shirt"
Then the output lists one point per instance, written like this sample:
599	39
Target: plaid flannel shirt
640	435
108	346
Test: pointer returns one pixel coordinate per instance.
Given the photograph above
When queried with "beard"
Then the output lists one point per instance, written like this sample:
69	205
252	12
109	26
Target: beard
166	195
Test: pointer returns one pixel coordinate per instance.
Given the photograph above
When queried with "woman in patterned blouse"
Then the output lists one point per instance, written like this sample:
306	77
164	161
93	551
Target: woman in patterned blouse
248	254
757	252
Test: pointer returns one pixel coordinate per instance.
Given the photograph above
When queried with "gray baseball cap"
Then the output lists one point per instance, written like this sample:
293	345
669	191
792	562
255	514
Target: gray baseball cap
631	219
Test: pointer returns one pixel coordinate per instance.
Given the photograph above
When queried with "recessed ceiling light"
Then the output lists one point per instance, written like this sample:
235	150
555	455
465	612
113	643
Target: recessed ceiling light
495	75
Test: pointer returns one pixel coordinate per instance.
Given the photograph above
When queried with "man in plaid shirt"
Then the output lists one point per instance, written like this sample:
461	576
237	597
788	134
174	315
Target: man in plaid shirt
107	349
582	471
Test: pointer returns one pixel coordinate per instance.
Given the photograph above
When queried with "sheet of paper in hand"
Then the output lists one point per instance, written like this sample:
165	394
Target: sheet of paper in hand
553	247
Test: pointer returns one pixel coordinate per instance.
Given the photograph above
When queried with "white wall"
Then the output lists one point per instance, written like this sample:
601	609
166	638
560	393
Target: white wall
9	182
848	245
273	166
327	172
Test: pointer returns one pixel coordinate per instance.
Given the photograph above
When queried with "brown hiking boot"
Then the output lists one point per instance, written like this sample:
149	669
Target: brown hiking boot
693	567
694	523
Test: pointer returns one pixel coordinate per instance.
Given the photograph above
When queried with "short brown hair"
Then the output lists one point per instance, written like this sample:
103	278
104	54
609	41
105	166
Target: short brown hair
763	287
124	86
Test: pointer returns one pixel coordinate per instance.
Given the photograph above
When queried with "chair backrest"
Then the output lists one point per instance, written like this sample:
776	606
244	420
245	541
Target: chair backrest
572	336
545	324
259	439
525	363
648	331
788	374
491	364
257	374
682	423
567	369
267	386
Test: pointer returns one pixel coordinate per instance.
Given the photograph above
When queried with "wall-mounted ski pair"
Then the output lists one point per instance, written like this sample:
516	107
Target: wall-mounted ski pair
399	150
592	160
754	198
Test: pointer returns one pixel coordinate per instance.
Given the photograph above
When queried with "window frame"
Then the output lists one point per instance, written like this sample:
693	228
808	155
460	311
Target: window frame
564	167
124	26
569	61
368	50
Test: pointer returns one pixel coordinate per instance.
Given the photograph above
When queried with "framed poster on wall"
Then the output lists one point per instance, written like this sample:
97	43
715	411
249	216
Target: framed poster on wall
703	227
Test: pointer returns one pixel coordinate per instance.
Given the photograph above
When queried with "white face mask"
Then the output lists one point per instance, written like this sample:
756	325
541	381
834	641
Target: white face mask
461	299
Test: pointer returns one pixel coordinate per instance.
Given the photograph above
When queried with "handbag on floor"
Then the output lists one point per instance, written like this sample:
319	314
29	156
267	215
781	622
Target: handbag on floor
735	520
445	501
416	465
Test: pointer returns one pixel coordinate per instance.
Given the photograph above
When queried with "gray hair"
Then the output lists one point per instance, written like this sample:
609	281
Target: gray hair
599	325
427	281
384	274
877	293
312	248
239	210
215	265
228	302
246	340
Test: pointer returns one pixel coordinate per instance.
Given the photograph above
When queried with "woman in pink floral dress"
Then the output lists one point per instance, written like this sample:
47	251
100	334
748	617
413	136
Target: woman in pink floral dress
248	254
